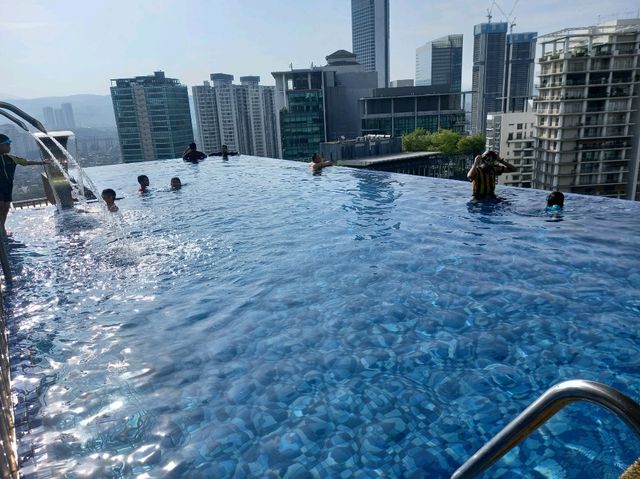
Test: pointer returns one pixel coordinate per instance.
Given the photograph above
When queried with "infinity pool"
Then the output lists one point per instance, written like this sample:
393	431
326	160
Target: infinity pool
265	322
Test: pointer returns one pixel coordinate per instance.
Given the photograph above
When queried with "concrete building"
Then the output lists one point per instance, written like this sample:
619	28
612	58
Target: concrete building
489	47
440	63
239	116
588	126
512	136
369	146
370	34
320	104
519	66
153	117
396	111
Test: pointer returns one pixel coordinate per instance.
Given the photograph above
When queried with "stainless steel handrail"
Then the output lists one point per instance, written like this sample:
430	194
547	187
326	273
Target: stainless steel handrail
25	116
540	411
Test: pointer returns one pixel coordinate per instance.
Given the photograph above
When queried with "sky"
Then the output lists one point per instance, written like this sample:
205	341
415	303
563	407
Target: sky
67	47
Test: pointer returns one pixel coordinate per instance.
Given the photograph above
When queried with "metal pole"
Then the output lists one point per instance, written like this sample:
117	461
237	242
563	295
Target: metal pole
552	401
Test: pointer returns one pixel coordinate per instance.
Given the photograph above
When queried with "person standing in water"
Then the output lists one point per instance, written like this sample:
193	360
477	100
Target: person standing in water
483	174
8	165
192	154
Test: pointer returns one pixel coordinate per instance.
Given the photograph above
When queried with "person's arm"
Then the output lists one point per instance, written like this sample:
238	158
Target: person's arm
327	163
24	162
508	167
474	168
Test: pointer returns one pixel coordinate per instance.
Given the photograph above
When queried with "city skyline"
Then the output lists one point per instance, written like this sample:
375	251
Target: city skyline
39	37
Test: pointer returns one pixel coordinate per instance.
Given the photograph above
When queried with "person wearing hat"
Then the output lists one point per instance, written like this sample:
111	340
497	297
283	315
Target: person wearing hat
7	172
484	172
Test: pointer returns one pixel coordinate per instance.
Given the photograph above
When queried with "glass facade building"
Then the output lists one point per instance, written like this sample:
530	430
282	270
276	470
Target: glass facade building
302	124
440	63
396	111
489	47
152	116
520	62
370	35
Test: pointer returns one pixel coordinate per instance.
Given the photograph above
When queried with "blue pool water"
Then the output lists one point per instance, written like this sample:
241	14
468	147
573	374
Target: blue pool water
265	322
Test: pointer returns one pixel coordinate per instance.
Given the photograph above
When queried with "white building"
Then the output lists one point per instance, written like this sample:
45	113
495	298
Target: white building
239	116
588	129
512	136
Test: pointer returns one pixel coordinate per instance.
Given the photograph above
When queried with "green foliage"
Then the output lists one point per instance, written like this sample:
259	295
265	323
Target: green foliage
472	145
445	141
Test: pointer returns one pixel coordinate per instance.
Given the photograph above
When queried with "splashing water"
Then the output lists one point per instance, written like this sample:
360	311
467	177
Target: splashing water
83	178
77	191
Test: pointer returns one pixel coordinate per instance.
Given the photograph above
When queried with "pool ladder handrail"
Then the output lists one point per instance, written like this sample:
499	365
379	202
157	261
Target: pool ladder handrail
538	412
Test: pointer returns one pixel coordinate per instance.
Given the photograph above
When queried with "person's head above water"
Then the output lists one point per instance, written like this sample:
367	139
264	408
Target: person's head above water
316	158
5	144
225	148
193	146
176	184
555	198
143	180
108	195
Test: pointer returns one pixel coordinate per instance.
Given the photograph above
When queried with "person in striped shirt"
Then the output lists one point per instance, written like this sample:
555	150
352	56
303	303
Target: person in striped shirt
484	173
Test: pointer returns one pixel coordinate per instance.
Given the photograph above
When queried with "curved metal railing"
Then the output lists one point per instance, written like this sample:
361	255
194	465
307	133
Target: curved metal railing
552	401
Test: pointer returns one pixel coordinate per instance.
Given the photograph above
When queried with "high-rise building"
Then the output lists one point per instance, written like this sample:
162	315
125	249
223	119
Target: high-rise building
370	33
489	46
239	116
440	63
59	118
49	118
588	125
67	116
520	62
153	117
320	104
511	135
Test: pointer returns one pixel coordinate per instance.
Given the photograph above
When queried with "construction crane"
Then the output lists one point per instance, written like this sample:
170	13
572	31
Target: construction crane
511	20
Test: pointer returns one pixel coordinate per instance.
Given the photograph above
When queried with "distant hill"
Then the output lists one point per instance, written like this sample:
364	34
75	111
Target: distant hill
90	111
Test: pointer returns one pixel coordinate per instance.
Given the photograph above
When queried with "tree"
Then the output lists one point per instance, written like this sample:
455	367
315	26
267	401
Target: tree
472	145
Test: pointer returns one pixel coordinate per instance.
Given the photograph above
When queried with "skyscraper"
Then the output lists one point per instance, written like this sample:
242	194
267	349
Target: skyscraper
588	126
67	116
239	116
320	104
440	63
370	33
520	62
49	118
153	117
489	46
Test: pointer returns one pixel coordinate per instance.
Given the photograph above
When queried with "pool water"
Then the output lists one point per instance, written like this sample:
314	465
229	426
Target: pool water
265	322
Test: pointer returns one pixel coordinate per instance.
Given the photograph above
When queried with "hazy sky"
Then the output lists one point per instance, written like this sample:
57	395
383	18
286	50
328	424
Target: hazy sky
65	47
